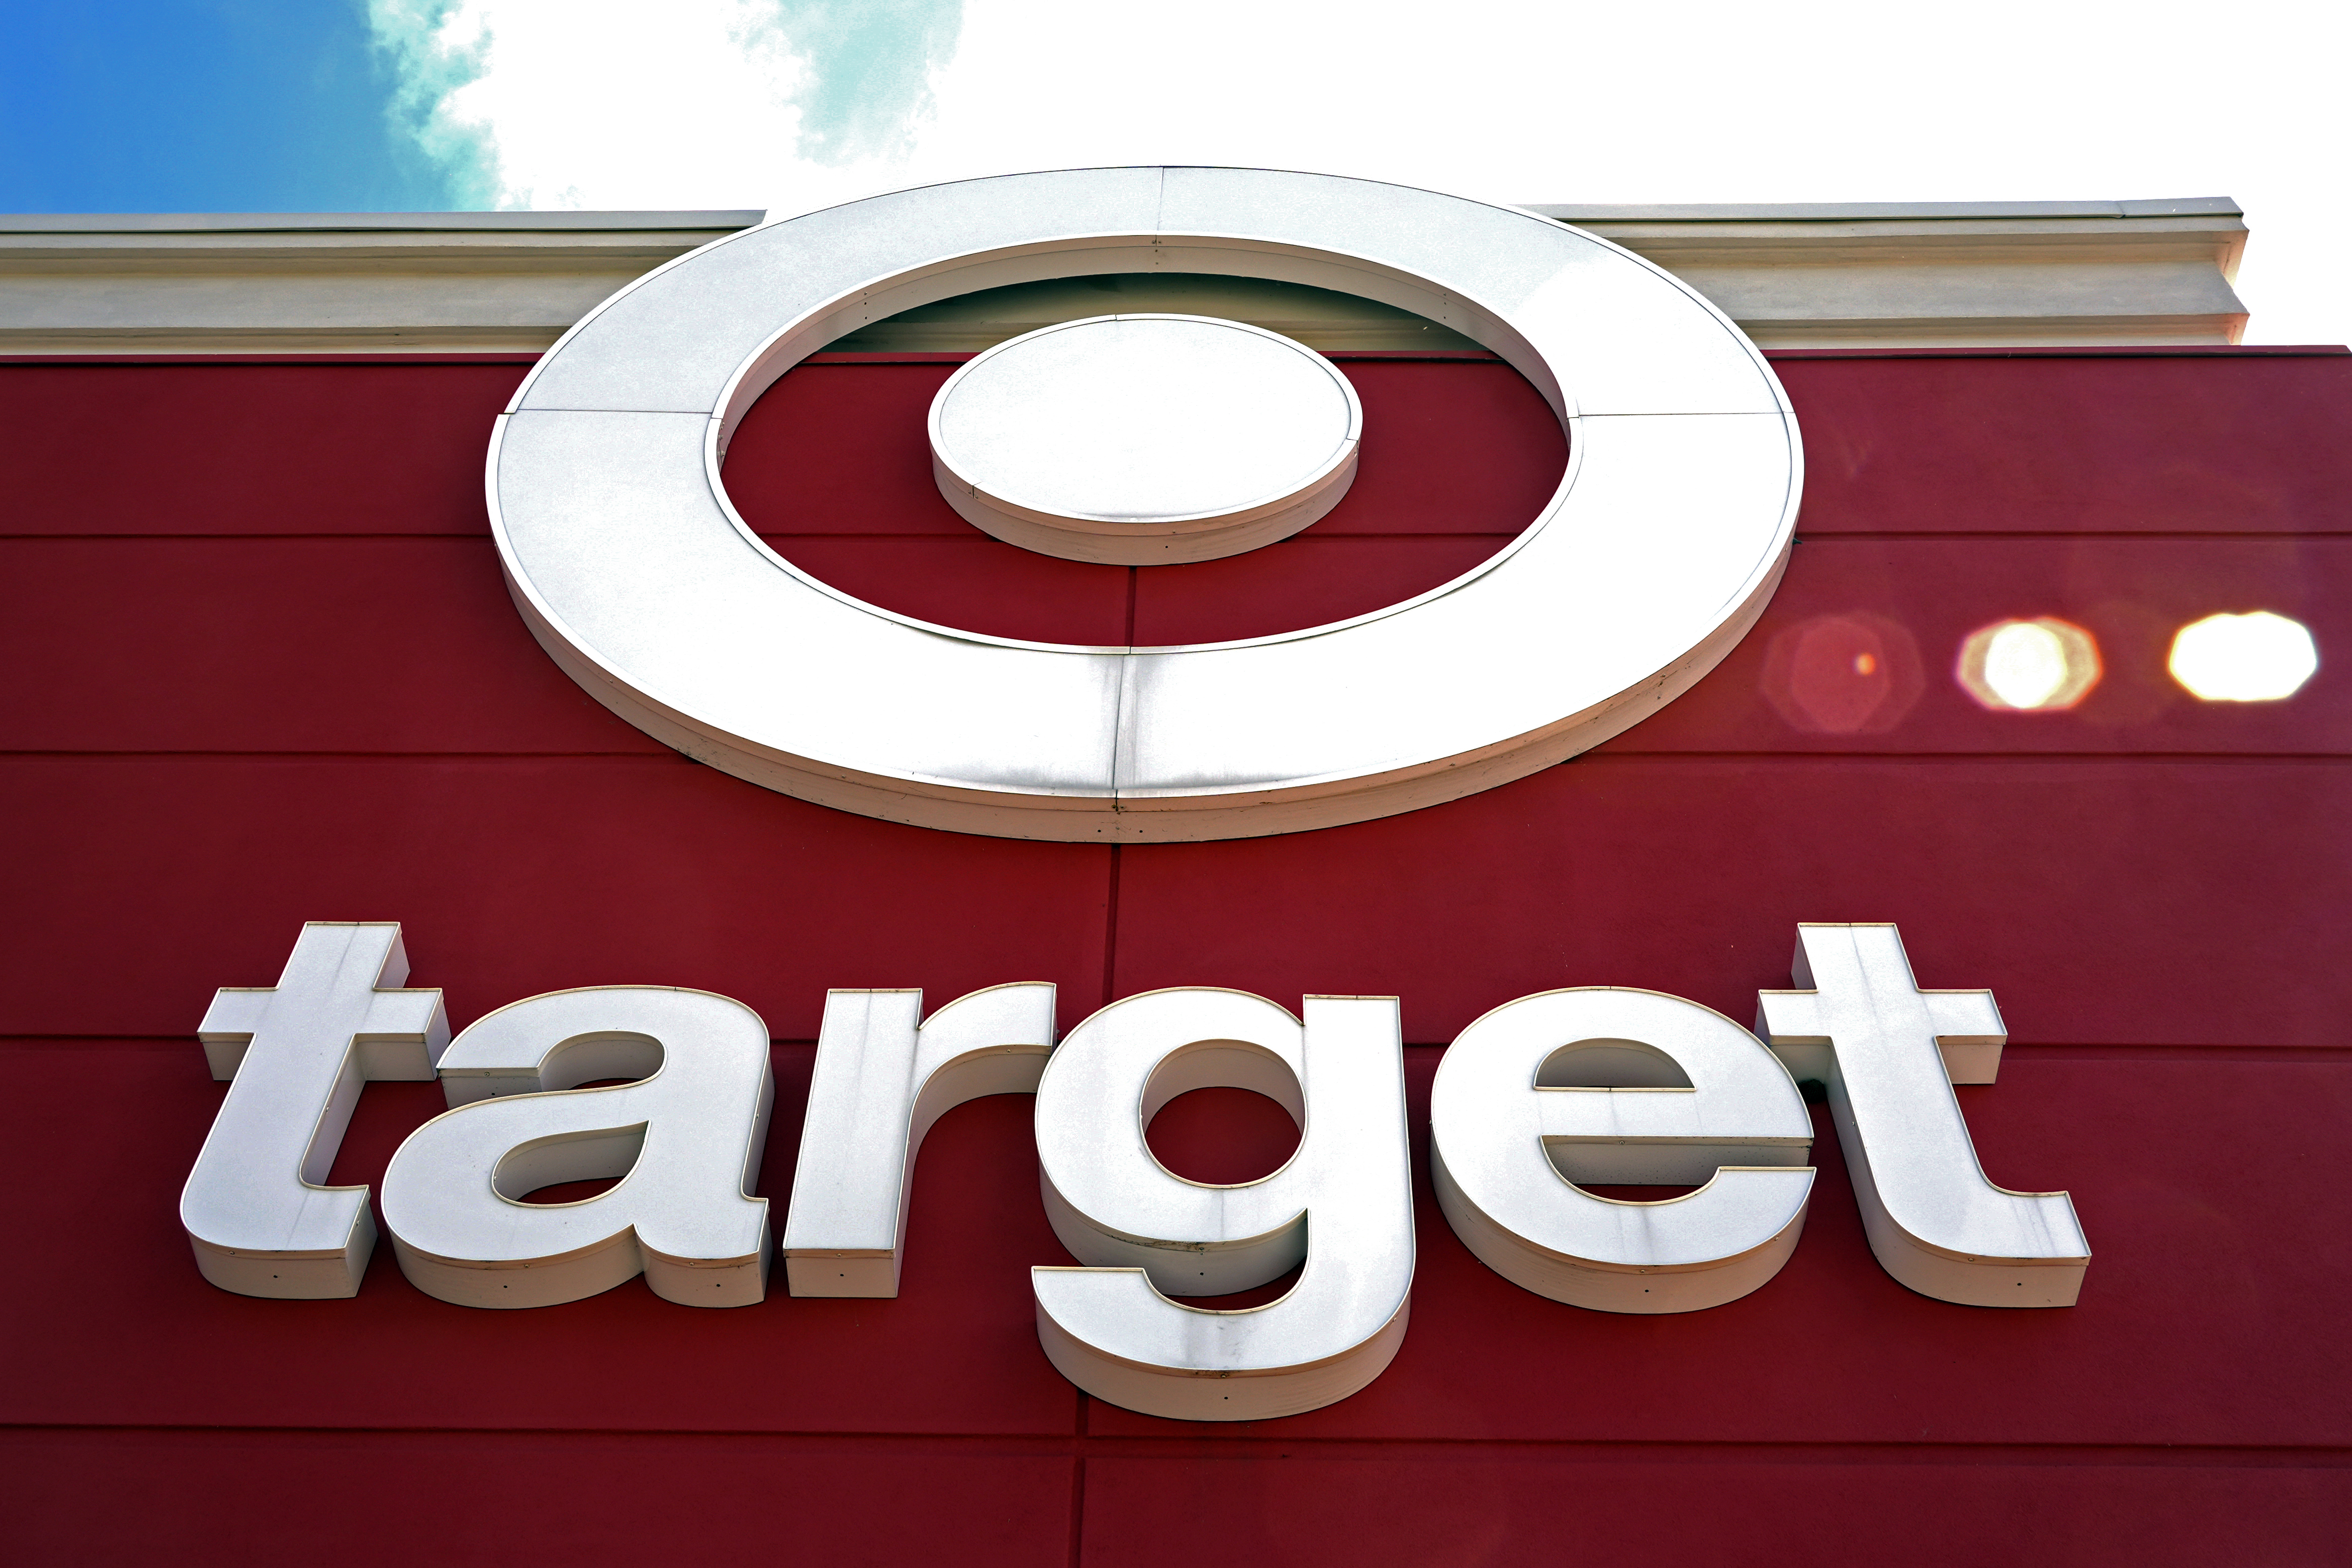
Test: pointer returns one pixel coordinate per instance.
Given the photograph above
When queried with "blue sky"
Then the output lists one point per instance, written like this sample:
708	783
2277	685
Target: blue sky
330	105
204	106
388	105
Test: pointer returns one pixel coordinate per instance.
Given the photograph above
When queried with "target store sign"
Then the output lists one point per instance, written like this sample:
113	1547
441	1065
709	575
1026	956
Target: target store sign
1136	440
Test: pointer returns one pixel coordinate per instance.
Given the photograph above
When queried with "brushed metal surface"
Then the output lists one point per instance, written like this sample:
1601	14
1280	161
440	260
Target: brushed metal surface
1664	540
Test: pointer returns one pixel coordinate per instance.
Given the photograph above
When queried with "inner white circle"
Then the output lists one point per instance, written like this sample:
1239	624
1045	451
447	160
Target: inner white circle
1145	439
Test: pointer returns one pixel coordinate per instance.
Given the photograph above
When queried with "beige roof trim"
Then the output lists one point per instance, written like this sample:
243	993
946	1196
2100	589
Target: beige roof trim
1878	274
1893	275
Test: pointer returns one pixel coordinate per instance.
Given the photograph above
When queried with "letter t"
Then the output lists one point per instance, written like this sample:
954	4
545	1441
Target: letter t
1893	1052
255	1207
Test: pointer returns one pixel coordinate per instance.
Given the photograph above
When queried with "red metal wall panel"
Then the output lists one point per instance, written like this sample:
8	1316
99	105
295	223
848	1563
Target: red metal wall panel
265	671
372	1499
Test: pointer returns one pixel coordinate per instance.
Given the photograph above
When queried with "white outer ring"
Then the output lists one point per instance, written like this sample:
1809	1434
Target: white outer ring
1666	539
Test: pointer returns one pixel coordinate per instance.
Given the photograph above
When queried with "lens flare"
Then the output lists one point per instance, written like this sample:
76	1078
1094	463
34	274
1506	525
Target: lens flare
1851	674
2042	666
2255	658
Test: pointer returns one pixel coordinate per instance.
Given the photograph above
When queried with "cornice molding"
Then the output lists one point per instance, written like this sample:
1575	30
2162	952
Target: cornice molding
1851	275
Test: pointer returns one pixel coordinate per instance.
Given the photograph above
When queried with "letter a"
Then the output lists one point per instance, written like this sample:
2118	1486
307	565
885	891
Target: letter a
685	1142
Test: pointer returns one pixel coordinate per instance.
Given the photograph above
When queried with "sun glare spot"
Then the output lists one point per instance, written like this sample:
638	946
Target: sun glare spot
2042	666
2255	658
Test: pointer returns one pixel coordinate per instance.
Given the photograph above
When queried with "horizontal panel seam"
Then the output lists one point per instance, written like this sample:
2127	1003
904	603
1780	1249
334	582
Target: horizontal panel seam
2216	758
1924	758
2267	1051
2180	535
1817	536
1864	1450
143	1041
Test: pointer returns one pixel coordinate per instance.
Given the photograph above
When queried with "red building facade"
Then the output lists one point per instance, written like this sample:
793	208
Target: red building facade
267	673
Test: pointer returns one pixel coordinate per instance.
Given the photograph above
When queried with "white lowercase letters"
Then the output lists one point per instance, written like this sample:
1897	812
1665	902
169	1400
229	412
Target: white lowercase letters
1534	1102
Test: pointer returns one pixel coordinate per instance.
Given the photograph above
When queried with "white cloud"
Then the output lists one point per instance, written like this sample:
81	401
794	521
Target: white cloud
692	103
790	104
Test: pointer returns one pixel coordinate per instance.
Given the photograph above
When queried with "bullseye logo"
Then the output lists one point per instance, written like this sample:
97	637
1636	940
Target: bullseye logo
1145	440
